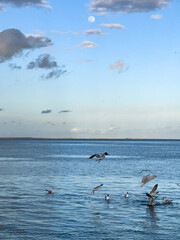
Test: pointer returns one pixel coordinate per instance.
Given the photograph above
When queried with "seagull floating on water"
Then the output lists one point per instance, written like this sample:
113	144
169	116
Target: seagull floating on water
51	191
151	201
165	201
107	197
96	188
146	179
126	195
99	158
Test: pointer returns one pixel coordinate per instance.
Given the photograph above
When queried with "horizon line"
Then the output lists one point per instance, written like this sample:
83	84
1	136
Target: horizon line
72	138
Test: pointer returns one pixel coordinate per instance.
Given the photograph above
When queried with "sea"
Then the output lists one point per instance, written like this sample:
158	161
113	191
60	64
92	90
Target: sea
30	166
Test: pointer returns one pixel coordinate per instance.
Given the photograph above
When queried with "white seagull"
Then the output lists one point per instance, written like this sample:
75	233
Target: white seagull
99	158
126	195
107	197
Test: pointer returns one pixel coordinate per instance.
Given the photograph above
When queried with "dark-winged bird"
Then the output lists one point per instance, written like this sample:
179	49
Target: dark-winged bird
99	157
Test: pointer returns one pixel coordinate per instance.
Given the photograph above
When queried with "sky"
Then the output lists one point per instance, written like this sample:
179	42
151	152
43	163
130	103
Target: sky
90	68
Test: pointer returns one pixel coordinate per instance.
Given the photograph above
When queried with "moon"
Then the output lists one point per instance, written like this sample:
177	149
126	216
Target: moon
91	19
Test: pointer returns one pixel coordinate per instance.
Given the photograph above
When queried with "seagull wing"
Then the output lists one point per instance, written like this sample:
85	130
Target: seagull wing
144	170
154	189
148	195
95	155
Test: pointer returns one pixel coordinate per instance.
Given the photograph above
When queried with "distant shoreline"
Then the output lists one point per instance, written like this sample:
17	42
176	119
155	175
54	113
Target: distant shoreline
136	139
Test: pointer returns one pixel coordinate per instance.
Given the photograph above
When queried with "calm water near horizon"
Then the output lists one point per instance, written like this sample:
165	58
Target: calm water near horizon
29	166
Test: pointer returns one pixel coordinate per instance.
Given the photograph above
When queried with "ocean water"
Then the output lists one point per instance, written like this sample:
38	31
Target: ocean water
29	166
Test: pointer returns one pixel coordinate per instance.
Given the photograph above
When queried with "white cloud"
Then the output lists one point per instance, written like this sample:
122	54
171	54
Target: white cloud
156	16
94	32
87	44
127	6
112	25
75	130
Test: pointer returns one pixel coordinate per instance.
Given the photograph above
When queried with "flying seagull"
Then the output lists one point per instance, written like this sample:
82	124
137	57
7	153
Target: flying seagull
51	191
153	191
96	188
165	201
99	158
146	179
145	170
151	201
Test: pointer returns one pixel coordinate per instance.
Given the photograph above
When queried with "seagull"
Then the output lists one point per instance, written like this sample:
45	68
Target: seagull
126	195
50	191
145	170
96	188
153	191
99	158
107	197
151	201
165	201
146	179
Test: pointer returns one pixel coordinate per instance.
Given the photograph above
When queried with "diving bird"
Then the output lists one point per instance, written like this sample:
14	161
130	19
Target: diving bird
96	188
107	197
153	191
165	201
126	195
151	201
51	191
99	158
146	179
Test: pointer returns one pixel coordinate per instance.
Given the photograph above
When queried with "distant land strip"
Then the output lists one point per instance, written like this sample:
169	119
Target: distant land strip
144	139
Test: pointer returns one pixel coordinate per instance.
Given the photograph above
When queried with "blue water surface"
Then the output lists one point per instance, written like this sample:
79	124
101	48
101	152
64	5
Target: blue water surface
29	166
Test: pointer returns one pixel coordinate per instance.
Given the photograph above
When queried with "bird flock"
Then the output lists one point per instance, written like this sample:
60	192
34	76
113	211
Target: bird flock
152	196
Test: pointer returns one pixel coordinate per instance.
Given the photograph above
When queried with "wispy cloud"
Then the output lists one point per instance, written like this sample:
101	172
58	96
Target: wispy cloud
46	111
85	60
45	61
118	65
13	43
24	3
112	25
87	44
56	73
156	16
65	111
60	32
14	66
128	6
94	32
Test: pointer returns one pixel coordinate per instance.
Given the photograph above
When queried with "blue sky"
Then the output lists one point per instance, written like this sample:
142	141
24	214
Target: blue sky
64	76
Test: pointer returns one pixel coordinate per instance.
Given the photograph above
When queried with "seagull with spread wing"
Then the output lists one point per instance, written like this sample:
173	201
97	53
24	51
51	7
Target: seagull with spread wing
99	157
96	188
146	179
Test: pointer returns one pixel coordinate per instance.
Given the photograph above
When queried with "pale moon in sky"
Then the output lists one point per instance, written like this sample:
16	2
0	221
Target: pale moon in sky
91	19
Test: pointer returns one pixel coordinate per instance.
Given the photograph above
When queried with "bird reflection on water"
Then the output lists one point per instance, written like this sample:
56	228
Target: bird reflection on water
152	220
